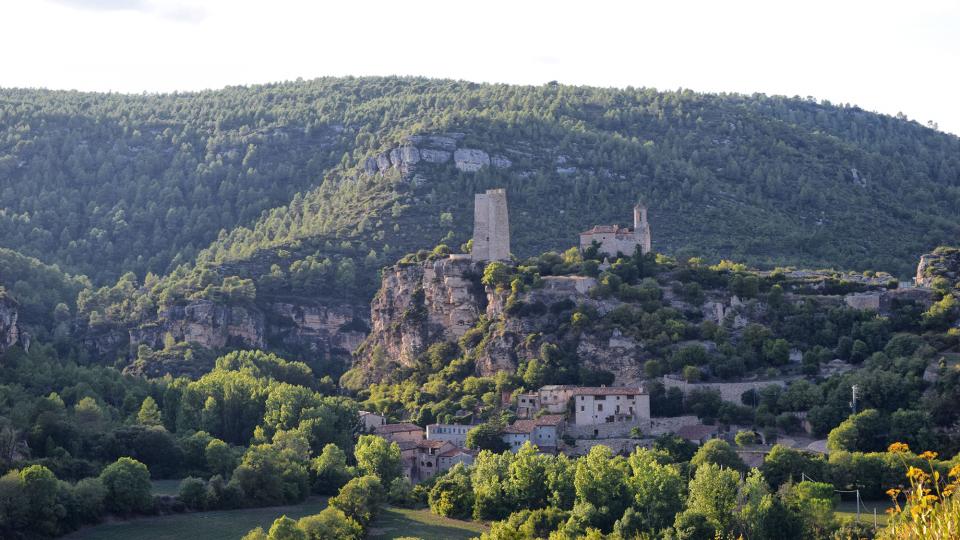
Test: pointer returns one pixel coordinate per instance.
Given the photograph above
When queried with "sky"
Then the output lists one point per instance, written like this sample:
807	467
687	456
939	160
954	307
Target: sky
884	56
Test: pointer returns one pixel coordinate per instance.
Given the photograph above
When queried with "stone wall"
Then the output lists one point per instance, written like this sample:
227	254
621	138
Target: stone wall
730	392
607	431
670	424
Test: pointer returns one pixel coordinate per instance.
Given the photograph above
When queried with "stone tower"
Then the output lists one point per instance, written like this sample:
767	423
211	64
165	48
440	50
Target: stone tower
641	228
491	226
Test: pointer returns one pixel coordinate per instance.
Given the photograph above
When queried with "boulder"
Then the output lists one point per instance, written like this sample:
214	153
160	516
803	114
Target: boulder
470	159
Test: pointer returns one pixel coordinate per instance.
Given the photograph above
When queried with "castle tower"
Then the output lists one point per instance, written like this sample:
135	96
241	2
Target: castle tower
491	226
641	228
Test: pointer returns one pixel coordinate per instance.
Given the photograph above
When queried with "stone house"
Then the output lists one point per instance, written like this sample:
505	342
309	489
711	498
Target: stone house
455	433
451	456
605	405
371	421
528	404
554	397
545	432
403	431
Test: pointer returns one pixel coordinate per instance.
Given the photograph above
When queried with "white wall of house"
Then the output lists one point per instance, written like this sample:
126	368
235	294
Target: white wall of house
455	433
602	409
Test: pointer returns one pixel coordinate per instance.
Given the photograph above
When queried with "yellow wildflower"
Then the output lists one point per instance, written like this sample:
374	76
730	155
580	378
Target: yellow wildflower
898	447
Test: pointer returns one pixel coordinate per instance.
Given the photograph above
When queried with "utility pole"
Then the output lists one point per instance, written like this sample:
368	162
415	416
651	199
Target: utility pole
858	499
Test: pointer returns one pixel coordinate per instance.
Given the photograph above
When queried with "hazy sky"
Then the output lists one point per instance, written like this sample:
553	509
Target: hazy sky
884	56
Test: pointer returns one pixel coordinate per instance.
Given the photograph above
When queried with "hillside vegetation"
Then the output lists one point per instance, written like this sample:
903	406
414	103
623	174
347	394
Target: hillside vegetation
102	184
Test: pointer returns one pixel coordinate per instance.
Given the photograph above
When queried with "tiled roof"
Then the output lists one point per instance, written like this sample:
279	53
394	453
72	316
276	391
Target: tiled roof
526	426
428	443
406	445
397	428
454	452
608	391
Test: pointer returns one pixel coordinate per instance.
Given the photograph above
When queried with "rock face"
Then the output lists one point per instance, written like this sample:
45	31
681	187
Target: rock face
9	329
435	301
210	325
327	330
302	329
471	159
433	149
423	303
944	263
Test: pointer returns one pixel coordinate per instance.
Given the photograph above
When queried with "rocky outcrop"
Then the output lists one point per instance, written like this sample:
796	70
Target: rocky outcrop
9	329
420	304
943	263
327	330
205	323
433	149
470	159
299	329
441	300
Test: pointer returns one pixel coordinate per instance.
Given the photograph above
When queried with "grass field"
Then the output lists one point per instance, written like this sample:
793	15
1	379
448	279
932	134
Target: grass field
233	524
397	522
219	525
847	511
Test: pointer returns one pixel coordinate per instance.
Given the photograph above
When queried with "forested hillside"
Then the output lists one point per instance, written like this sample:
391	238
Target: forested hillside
102	184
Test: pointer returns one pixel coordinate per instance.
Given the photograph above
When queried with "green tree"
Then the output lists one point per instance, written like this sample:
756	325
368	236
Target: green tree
486	436
452	495
149	414
718	452
713	493
330	470
360	499
657	490
127	482
864	431
378	457
330	524
193	493
284	528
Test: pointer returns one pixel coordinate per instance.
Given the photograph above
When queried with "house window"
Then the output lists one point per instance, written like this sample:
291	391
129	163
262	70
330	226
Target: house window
582	408
599	406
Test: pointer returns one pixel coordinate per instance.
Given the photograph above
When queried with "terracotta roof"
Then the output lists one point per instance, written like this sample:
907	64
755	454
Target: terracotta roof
550	387
431	443
454	452
607	229
528	425
397	428
406	445
696	431
608	391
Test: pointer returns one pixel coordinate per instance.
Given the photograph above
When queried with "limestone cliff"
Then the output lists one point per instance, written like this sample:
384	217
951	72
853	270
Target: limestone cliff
300	328
9	329
419	304
943	263
442	300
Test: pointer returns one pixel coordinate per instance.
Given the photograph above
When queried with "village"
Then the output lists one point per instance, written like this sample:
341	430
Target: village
566	419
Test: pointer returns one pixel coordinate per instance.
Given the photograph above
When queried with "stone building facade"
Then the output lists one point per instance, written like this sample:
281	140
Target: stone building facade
615	239
491	226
